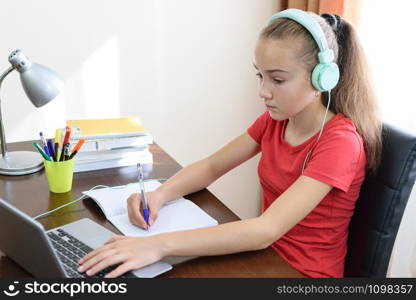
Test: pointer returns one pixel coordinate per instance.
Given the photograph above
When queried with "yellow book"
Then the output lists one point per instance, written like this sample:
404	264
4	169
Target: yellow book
106	128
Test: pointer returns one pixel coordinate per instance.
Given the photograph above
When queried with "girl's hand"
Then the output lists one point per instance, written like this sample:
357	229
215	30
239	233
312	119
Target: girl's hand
135	211
129	252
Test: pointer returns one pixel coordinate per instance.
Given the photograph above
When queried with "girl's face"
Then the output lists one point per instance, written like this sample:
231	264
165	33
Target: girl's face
285	84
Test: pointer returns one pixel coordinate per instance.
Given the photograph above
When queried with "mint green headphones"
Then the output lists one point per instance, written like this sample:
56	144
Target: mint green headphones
325	75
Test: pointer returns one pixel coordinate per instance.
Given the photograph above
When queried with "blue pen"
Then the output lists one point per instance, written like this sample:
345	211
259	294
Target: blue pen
44	144
142	193
51	150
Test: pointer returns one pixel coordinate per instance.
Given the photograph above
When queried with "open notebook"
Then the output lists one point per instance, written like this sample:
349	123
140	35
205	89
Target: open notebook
179	214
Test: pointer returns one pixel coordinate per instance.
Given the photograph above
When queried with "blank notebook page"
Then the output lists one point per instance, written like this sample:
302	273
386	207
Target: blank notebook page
180	214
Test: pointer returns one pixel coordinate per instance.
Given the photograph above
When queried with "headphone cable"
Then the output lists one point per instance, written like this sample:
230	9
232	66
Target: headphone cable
85	196
320	132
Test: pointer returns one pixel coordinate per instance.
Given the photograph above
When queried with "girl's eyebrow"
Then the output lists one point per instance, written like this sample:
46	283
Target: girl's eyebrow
271	71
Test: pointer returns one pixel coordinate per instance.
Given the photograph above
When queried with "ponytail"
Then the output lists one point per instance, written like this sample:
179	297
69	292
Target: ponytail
354	95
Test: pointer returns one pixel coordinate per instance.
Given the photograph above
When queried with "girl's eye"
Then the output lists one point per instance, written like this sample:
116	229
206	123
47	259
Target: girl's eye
259	75
278	81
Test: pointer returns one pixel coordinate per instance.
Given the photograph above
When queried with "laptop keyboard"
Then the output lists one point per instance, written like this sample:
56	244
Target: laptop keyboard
70	250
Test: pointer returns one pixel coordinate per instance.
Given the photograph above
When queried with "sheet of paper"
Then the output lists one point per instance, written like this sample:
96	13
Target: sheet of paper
178	215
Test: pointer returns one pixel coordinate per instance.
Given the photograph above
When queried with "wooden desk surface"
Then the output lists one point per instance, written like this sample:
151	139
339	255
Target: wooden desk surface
30	193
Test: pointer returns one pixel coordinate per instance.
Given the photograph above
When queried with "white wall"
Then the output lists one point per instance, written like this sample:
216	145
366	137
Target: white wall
184	66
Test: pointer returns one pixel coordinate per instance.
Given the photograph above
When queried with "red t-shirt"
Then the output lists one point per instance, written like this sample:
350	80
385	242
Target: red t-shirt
317	245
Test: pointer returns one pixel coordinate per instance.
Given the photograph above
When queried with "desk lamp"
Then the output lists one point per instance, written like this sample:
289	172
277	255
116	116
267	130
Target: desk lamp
41	85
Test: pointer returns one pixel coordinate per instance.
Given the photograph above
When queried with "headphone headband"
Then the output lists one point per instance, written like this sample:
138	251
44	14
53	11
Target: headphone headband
325	75
307	21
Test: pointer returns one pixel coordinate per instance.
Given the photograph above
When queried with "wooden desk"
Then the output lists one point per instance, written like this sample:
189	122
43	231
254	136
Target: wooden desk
30	193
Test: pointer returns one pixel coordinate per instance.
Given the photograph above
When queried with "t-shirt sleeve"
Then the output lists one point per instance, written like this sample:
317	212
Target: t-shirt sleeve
336	159
256	130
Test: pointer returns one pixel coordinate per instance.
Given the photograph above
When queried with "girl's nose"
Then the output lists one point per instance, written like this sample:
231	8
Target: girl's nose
264	92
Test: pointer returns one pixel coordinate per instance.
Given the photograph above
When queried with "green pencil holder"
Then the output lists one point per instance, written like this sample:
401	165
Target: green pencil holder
59	175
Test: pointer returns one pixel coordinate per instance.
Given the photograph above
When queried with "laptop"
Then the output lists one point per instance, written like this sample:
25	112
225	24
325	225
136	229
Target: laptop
56	252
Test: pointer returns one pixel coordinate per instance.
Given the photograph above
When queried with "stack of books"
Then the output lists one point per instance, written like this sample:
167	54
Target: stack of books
110	143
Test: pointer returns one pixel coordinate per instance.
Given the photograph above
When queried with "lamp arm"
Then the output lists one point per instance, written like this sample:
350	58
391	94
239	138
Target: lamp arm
2	133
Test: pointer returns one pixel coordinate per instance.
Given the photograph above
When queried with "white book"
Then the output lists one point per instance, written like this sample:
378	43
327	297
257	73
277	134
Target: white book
83	166
113	143
179	214
137	141
112	154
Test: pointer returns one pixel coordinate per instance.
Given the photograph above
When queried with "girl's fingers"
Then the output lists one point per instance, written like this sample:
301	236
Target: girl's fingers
106	260
120	270
95	258
92	253
134	211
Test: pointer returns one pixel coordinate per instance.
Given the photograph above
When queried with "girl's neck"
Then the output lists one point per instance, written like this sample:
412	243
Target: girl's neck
306	123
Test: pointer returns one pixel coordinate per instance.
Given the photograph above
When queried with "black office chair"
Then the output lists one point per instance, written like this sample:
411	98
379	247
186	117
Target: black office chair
380	207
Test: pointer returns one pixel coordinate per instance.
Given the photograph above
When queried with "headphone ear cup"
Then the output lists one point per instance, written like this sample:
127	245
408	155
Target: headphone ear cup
325	76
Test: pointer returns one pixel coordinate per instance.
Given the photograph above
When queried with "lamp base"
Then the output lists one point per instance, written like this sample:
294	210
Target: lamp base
20	163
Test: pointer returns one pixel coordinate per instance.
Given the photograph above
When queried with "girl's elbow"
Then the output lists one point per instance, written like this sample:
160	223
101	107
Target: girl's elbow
267	236
263	243
268	240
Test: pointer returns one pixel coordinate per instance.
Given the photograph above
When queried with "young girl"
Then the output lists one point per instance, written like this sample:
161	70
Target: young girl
312	165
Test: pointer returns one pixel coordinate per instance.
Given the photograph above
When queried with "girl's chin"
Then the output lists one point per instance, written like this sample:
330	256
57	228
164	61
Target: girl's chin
276	116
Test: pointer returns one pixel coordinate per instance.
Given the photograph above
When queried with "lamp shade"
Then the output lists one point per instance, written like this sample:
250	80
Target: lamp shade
40	84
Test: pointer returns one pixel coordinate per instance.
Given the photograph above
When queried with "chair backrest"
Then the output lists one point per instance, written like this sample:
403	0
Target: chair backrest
380	207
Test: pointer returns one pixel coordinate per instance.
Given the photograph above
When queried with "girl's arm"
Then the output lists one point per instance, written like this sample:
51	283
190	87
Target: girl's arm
202	173
252	234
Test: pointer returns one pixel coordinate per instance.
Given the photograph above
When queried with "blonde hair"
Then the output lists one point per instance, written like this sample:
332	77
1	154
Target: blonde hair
354	94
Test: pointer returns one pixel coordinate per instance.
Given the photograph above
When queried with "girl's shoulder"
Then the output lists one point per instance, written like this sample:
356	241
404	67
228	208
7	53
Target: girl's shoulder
340	124
342	130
